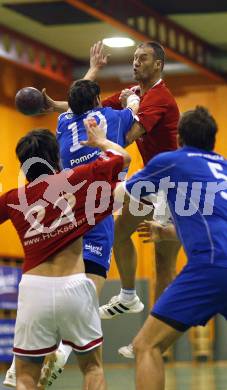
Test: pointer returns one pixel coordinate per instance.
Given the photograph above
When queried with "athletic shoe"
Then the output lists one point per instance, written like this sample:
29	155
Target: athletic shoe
52	368
10	378
116	307
127	352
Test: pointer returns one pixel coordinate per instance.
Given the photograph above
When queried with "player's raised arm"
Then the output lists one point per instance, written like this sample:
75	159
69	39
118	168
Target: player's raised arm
98	59
97	138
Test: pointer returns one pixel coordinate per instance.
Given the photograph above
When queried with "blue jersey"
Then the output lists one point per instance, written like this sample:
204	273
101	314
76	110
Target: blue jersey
98	242
71	132
197	197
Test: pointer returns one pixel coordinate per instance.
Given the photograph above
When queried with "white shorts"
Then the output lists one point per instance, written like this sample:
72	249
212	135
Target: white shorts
51	309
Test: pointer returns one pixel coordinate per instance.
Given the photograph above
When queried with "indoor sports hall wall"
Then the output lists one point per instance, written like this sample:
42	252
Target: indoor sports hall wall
189	91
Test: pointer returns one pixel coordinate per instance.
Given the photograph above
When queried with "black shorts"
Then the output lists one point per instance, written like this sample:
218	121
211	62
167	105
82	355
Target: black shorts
93	268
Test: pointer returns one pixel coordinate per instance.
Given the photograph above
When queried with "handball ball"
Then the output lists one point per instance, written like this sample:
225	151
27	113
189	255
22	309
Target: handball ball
29	101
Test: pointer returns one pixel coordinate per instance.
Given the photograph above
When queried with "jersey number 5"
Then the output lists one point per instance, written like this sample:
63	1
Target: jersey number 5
217	169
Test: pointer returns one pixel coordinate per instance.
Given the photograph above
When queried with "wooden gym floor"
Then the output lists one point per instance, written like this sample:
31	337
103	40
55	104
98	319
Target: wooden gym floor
180	376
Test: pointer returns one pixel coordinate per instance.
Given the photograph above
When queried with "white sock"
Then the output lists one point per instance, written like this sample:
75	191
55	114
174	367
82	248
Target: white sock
127	294
66	349
13	365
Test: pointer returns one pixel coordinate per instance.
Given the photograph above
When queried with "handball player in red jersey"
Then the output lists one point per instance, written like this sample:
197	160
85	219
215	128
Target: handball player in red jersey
154	132
50	214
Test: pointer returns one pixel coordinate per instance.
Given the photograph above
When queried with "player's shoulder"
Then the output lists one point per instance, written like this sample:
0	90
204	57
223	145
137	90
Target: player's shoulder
160	92
171	155
105	110
66	116
166	159
110	112
10	196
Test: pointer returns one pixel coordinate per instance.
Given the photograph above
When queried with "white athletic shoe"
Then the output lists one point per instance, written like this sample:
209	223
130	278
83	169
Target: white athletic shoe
10	378
52	368
116	307
127	352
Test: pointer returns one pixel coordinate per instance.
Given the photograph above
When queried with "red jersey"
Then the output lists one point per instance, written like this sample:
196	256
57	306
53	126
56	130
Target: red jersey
50	213
159	115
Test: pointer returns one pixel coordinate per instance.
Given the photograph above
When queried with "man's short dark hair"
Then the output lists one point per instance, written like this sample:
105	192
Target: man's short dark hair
159	51
39	143
83	96
198	128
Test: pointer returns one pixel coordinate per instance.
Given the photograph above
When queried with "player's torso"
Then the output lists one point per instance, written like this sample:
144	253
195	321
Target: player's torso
199	205
163	136
71	132
48	216
97	242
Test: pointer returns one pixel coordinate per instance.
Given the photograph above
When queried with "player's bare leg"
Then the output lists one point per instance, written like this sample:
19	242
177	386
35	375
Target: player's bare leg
99	282
167	247
126	259
124	249
27	374
92	369
152	341
165	264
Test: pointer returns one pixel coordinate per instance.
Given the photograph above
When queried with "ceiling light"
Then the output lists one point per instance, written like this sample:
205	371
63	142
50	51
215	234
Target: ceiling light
118	42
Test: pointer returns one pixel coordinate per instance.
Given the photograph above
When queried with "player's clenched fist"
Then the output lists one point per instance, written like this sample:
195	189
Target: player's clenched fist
151	231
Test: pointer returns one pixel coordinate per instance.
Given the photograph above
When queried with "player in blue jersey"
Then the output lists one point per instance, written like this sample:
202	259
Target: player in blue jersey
84	102
194	179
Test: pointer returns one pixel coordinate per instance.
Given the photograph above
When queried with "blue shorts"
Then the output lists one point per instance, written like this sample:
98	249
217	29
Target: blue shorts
98	243
198	293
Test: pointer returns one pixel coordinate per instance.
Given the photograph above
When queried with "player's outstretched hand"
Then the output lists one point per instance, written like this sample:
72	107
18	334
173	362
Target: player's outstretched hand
49	103
151	231
97	57
95	134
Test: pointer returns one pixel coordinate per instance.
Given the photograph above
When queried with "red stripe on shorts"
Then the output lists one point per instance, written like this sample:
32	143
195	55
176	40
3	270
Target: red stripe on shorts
88	346
35	351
